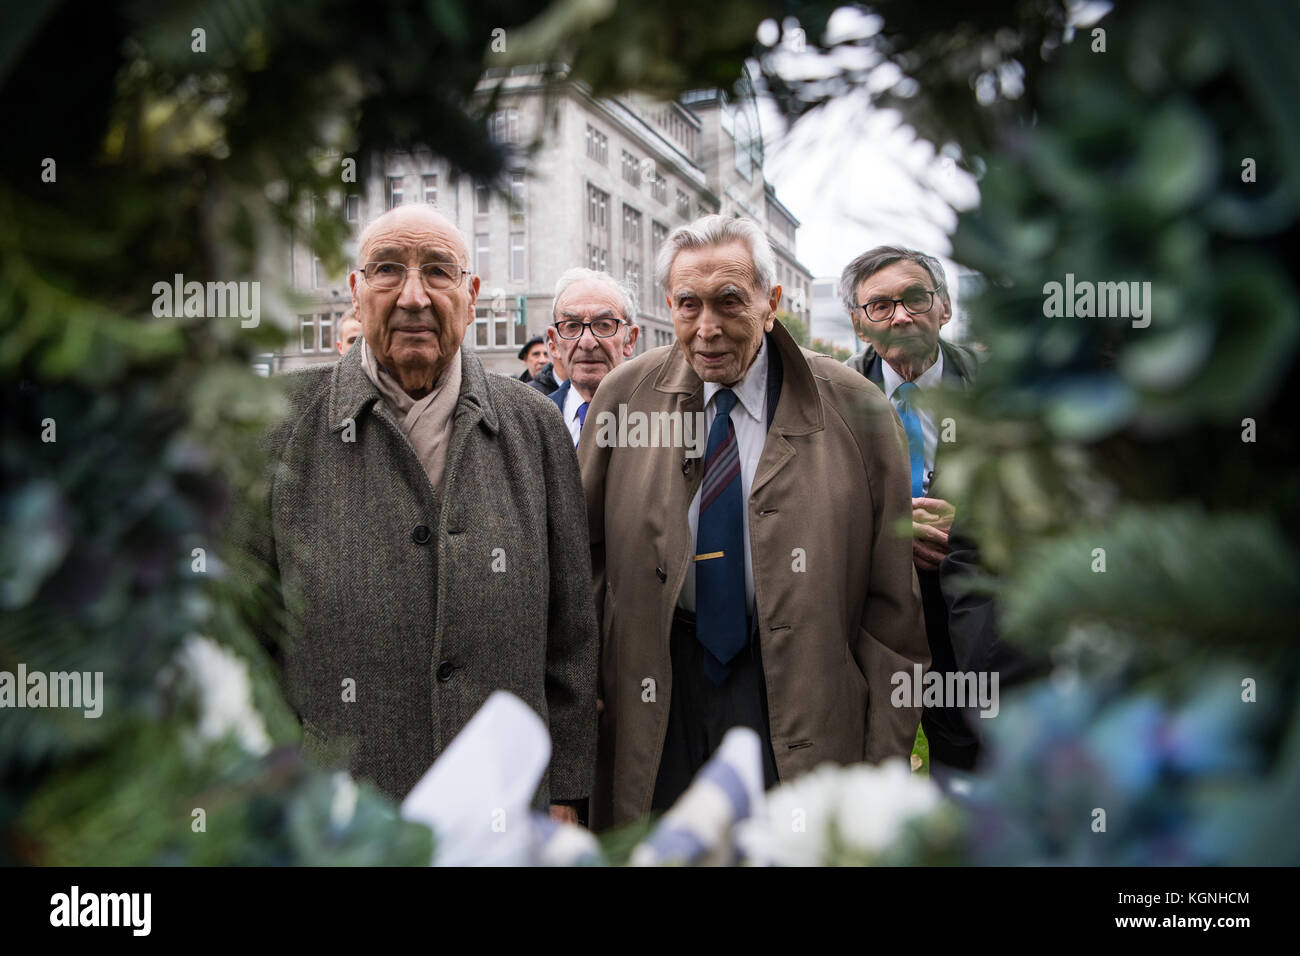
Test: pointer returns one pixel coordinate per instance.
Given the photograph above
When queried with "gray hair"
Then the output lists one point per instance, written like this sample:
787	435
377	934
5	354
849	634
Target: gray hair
626	296
710	231
873	260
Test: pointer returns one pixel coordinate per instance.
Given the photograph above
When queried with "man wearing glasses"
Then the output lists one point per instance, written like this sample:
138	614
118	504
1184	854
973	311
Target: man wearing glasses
898	299
593	331
409	495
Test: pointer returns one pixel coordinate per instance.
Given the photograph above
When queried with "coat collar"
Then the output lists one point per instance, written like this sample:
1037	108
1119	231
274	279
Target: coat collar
351	392
560	394
800	415
958	365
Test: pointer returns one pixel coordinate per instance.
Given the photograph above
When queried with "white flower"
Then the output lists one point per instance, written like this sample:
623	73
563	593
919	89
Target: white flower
865	807
219	681
343	803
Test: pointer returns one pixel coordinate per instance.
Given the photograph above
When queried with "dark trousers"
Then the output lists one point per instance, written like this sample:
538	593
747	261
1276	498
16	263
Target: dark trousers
701	712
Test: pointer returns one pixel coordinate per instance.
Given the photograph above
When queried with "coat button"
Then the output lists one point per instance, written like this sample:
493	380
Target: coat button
420	534
444	671
663	576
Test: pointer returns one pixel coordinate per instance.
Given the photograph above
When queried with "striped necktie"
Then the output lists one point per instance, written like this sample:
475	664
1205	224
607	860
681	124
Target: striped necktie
720	601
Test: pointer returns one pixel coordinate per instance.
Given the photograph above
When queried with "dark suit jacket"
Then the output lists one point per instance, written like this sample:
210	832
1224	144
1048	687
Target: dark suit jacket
951	739
559	395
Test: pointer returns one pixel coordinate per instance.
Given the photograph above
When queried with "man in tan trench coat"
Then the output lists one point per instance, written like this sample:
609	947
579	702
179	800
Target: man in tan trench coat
801	643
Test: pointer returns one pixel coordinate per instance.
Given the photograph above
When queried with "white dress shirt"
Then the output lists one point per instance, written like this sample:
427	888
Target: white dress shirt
930	378
749	419
572	402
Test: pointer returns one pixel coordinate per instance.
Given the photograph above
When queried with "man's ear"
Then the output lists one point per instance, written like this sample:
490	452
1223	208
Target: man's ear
947	310
473	295
630	341
773	301
352	286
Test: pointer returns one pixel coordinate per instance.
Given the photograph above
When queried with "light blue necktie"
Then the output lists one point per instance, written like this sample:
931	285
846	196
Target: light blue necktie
905	396
720	601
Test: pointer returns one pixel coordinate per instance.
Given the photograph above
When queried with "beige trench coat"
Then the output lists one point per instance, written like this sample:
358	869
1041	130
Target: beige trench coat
837	600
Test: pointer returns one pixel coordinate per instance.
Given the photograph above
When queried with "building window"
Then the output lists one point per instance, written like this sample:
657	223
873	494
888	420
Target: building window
658	236
431	190
482	200
597	207
597	146
307	338
316	272
631	169
517	256
517	193
683	205
482	255
700	210
659	188
632	275
597	257
503	328
326	333
632	227
504	126
352	208
394	191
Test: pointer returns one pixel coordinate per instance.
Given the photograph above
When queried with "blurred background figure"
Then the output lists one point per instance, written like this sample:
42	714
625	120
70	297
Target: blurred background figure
534	357
349	331
553	375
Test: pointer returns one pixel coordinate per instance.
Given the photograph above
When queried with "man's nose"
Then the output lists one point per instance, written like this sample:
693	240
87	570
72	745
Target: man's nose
414	296
587	340
710	324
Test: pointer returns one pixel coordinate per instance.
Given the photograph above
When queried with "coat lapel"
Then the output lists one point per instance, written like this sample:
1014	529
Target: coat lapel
799	411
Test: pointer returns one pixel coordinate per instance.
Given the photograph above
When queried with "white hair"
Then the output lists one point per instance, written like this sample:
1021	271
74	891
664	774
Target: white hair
710	231
627	301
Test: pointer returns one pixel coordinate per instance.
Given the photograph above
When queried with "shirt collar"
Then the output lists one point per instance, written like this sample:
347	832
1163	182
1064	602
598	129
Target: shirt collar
572	402
931	377
751	391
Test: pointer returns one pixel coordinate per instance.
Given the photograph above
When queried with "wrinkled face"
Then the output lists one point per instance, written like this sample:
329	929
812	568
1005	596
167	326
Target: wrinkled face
905	338
536	359
349	330
719	311
414	331
589	359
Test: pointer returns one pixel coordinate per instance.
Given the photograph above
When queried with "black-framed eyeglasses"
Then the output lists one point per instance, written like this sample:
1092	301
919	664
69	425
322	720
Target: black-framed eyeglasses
915	301
602	328
387	276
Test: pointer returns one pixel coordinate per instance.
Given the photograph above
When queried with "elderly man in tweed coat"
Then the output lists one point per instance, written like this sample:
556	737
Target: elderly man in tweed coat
427	526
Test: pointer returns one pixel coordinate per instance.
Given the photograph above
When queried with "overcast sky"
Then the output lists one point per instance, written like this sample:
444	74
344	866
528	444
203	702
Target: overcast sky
858	177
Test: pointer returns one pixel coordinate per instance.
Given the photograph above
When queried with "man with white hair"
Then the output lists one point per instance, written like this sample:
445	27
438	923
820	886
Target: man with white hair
593	330
763	583
403	483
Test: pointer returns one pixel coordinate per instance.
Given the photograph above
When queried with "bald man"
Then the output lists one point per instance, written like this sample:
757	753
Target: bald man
410	495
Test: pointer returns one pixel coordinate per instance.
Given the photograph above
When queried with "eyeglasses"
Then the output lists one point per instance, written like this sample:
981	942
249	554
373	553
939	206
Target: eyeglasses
602	328
915	301
387	276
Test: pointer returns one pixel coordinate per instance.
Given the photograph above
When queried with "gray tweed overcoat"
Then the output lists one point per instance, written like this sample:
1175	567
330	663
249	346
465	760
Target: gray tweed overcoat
406	609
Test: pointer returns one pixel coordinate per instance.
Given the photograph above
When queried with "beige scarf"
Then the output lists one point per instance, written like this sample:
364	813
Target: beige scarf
428	421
